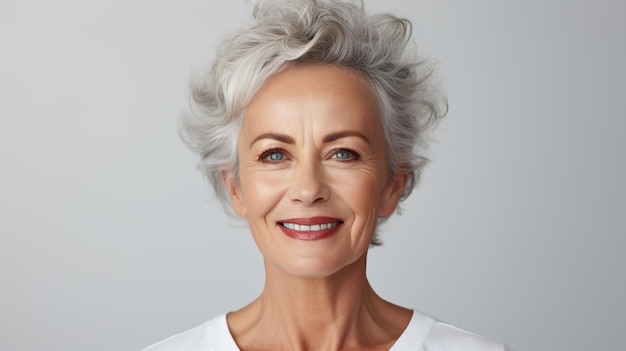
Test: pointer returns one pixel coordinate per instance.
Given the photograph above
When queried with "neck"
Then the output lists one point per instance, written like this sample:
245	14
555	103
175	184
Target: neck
330	313
316	301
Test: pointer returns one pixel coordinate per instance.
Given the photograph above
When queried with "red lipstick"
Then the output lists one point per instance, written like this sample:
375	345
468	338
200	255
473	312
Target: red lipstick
311	228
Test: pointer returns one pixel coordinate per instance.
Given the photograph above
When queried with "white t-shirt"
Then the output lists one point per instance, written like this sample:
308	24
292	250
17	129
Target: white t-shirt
423	333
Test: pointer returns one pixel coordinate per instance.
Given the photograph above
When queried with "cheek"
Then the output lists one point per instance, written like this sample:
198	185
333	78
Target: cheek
262	191
361	189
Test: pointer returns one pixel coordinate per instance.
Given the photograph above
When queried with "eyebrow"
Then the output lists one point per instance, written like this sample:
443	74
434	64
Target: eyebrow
344	133
283	138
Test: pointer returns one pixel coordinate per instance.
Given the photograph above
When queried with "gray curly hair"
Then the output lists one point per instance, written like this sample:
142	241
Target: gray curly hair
285	33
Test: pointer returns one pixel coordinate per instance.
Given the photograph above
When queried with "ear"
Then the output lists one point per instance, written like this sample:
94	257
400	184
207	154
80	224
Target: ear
392	194
234	192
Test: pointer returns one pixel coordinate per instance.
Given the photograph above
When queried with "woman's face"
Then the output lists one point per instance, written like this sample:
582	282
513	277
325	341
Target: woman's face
313	176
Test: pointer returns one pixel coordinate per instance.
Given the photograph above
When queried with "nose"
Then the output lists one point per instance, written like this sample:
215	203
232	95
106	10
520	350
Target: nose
308	185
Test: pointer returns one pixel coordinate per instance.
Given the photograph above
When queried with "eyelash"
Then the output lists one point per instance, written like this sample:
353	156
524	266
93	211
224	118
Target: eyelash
353	154
263	156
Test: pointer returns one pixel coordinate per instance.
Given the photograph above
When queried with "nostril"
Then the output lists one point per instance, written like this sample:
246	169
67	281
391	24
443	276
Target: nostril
308	185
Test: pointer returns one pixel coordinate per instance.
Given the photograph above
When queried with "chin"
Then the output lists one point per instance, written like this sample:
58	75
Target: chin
317	267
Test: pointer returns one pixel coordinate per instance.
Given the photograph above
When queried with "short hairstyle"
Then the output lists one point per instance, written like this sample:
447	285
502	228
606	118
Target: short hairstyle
285	33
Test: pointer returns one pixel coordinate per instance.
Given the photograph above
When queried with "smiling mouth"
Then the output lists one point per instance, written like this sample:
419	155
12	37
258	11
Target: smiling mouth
309	228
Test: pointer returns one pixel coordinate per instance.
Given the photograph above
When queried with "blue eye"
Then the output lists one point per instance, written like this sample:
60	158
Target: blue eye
345	155
272	156
275	156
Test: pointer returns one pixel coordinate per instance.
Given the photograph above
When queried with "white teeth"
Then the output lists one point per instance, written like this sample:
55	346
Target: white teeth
307	228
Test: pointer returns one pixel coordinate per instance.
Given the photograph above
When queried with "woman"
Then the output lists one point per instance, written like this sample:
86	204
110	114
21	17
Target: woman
311	127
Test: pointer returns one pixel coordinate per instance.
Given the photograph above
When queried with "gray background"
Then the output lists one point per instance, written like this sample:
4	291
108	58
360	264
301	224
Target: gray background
110	239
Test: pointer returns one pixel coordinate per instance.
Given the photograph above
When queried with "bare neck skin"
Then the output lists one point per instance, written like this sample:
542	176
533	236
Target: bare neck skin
339	312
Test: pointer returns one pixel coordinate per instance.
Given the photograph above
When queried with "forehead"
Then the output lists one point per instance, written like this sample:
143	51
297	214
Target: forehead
322	93
313	79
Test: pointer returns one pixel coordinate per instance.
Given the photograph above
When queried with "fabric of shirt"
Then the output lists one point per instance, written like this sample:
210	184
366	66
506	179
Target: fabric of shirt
423	333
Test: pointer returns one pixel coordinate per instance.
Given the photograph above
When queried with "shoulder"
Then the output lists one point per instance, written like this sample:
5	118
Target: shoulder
424	333
447	337
211	335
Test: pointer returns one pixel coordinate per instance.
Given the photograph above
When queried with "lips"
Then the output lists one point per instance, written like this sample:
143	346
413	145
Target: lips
309	228
312	228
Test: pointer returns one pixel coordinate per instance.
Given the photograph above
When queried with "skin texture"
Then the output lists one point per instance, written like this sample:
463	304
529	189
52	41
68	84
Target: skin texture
311	146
